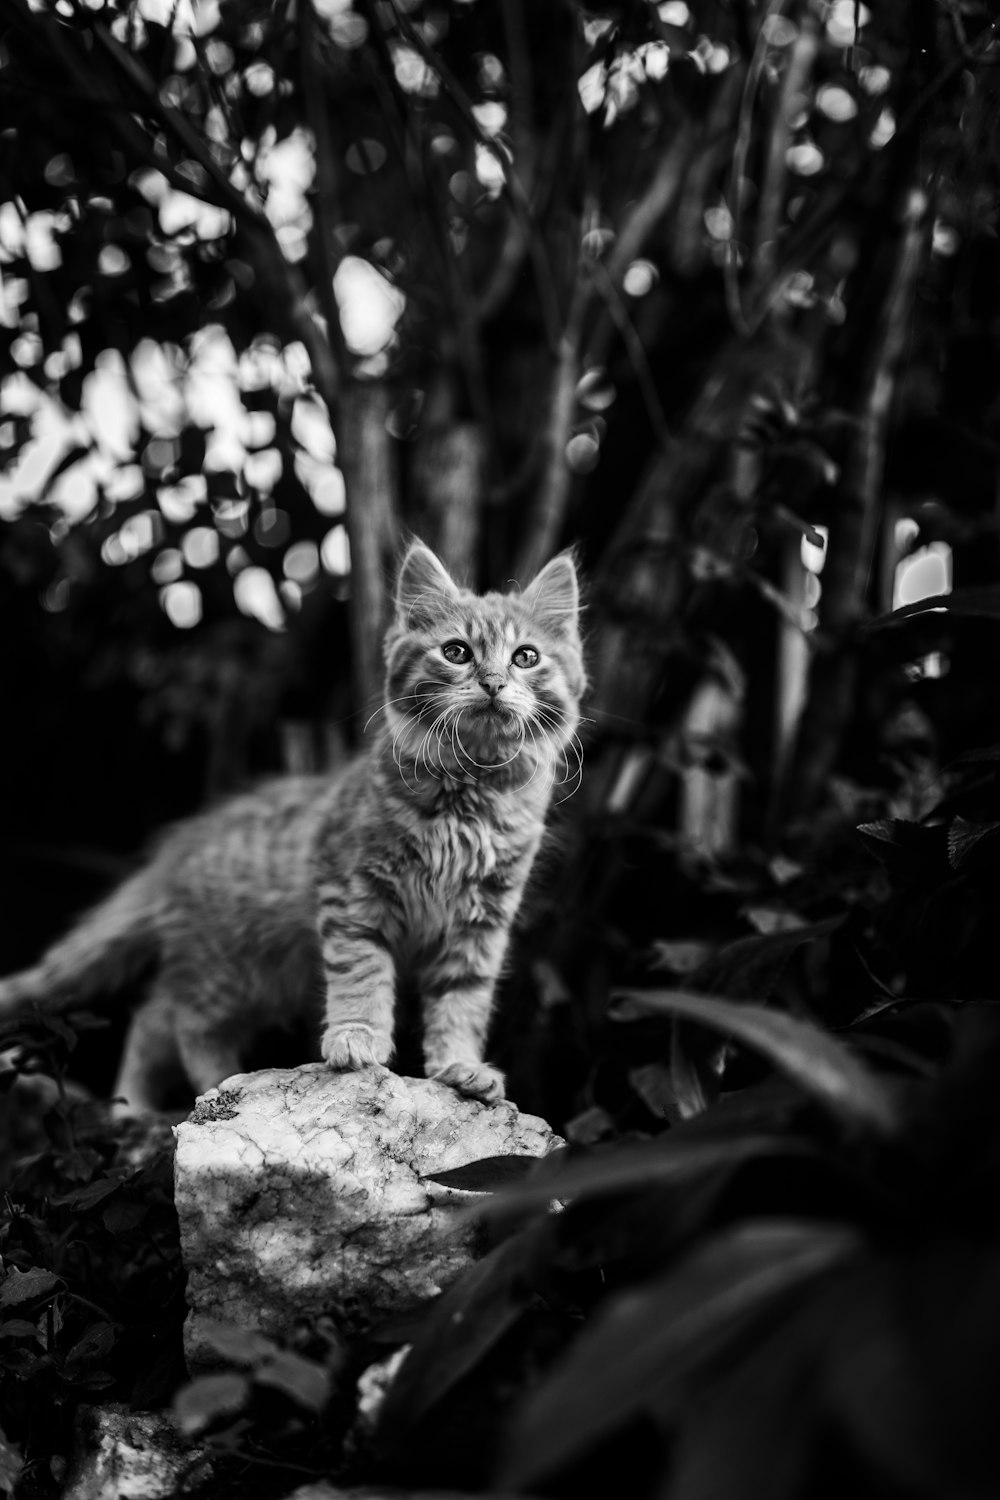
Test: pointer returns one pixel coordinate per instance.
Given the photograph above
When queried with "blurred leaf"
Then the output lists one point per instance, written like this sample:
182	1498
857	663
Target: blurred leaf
982	602
694	1081
822	1066
18	1328
24	1286
11	1463
909	1372
98	1340
683	1087
463	1325
590	1126
634	1356
754	1425
240	1346
774	919
205	1400
752	966
486	1175
90	1194
983	755
304	1381
653	1084
682	957
671	1157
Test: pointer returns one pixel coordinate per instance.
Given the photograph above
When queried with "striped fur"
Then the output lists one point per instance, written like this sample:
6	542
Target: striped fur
308	899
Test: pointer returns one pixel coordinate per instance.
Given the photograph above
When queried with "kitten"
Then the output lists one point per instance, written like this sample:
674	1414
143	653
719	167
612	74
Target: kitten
308	898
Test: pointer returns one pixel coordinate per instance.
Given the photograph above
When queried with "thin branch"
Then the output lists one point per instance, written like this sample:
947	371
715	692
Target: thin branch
554	487
326	177
801	56
655	202
636	354
737	175
544	278
514	246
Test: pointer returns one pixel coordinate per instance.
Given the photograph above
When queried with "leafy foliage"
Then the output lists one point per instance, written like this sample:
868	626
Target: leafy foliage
91	1289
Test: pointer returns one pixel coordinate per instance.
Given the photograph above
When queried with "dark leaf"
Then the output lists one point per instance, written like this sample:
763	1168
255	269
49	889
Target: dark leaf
91	1193
486	1175
966	838
908	850
95	1380
646	1340
18	1328
752	1430
982	602
198	1405
822	1066
671	1157
751	967
18	1287
910	1368
463	1325
98	1340
123	1218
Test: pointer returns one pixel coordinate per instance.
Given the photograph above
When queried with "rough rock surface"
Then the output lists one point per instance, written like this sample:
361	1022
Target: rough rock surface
132	1456
300	1193
325	1491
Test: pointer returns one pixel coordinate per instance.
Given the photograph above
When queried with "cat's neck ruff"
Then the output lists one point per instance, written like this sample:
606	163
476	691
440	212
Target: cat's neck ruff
451	784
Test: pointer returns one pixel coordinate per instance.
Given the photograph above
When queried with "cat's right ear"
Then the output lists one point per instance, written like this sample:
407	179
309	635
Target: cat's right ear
423	583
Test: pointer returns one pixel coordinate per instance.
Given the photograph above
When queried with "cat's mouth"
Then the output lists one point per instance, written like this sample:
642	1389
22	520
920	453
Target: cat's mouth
494	713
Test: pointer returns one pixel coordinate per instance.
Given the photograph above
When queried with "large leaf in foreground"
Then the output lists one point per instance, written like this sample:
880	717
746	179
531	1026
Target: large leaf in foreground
822	1066
462	1326
638	1354
671	1157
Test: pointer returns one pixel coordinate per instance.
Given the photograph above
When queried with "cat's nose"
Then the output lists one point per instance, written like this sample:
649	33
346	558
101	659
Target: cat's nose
492	683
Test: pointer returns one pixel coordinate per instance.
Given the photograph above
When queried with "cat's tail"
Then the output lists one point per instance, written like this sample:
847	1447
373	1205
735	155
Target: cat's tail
107	947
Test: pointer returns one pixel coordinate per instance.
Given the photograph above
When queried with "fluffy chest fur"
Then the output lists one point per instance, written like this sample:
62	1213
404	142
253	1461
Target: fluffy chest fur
455	863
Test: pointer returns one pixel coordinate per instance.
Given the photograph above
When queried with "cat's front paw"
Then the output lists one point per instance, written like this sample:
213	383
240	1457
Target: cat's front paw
475	1080
348	1048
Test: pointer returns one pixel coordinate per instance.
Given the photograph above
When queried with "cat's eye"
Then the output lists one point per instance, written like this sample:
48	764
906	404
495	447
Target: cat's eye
456	652
525	656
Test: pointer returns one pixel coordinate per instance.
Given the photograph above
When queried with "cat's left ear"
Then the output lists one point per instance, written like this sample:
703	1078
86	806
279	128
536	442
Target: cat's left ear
554	596
423	583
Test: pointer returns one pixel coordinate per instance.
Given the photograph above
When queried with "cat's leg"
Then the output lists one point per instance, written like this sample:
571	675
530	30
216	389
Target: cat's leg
211	1020
150	1062
457	996
360	980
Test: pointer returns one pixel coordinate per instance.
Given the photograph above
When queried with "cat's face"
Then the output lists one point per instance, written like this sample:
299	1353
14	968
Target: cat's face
480	682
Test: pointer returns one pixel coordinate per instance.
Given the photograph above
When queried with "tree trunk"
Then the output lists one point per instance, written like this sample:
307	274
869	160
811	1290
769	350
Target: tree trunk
366	456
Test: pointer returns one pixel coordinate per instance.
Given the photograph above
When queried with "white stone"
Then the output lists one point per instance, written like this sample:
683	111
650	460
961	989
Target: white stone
323	1490
132	1456
300	1193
